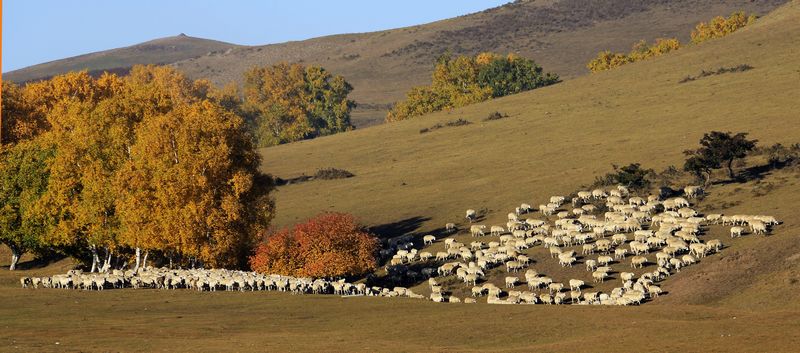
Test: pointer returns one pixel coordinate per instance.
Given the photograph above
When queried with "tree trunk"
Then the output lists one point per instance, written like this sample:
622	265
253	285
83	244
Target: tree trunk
138	259
144	260
730	168
95	259
107	262
15	255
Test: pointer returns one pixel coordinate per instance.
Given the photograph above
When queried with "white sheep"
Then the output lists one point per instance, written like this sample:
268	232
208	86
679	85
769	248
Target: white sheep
471	215
511	282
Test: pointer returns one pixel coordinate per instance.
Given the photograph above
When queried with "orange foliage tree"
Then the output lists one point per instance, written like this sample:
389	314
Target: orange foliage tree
328	245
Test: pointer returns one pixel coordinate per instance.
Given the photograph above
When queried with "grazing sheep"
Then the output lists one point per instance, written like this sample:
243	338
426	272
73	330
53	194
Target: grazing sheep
715	244
428	239
470	301
576	284
471	215
638	261
555	287
497	230
477	230
692	191
604	260
599	276
511	282
450	227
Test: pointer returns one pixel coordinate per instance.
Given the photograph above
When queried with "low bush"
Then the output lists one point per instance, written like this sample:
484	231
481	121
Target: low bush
328	245
332	173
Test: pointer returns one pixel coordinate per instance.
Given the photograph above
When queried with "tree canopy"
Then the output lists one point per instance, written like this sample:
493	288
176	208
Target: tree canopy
149	161
292	102
465	80
717	149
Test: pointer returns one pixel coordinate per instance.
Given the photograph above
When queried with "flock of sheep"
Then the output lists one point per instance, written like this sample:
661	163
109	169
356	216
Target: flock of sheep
666	233
206	280
645	230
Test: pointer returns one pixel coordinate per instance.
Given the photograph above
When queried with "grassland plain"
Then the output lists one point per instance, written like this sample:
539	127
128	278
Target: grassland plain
745	299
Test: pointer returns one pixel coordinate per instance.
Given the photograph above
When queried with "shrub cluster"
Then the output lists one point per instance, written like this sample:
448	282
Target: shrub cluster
717	27
328	245
464	80
495	116
332	173
720	26
607	60
719	71
452	123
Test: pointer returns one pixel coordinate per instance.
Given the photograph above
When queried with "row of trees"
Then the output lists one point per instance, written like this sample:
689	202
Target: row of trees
124	166
717	150
464	80
717	27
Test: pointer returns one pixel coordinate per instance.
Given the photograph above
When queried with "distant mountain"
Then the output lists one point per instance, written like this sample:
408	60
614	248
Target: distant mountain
561	35
158	51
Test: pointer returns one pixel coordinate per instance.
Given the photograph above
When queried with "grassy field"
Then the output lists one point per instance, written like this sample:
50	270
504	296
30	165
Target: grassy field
184	321
744	299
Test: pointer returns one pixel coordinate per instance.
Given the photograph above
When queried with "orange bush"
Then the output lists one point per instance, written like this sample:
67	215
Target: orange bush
328	245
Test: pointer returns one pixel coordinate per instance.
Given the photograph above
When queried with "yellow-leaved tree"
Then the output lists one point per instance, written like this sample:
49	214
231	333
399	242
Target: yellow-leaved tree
195	164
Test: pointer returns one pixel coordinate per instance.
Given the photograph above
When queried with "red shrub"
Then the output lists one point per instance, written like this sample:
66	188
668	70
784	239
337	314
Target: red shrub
328	245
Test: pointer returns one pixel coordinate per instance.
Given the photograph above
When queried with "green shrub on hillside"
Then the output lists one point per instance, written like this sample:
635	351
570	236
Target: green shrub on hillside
464	80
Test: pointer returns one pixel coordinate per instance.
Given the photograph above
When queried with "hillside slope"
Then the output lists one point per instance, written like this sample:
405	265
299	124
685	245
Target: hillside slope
561	137
158	51
562	35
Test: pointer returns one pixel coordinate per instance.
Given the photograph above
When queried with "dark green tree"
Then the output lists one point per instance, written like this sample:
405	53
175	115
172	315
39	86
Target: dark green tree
24	173
718	149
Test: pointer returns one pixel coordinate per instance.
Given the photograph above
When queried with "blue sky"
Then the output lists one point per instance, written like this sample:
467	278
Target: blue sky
36	31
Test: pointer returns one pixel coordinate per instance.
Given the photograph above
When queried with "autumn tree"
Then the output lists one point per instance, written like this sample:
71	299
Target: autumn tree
22	115
717	149
87	137
465	80
720	26
24	174
292	102
193	161
328	245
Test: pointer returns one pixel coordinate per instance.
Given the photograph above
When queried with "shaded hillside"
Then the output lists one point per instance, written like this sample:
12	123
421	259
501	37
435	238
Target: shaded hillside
561	137
159	51
561	35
